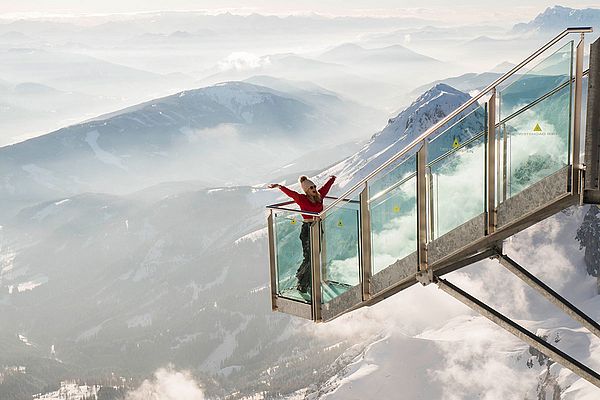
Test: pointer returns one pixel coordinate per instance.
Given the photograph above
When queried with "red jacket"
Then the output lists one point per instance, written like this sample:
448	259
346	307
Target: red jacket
303	201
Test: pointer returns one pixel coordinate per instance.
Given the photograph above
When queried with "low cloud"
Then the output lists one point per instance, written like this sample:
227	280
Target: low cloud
241	61
168	384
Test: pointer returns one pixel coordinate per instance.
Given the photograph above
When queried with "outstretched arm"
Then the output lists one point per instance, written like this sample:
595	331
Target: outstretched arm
294	195
325	189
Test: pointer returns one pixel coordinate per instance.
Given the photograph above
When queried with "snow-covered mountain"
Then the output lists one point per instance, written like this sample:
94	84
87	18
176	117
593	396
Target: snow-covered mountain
425	111
210	134
557	18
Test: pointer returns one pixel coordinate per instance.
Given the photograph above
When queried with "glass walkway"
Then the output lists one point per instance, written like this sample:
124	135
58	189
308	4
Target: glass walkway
524	148
501	162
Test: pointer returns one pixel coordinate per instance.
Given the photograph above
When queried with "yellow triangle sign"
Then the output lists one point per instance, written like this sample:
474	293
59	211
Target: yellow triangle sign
293	221
396	209
537	128
340	223
456	143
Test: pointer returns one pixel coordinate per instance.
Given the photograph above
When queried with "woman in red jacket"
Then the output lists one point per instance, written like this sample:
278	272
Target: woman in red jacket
311	200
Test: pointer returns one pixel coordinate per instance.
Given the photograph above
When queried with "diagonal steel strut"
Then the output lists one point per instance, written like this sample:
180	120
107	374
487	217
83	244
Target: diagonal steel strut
499	319
550	294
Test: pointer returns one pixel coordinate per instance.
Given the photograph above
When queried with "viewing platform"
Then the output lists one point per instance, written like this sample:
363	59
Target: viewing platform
523	149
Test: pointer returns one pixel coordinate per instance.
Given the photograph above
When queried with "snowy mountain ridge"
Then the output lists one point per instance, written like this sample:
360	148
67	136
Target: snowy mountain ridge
429	108
555	19
210	134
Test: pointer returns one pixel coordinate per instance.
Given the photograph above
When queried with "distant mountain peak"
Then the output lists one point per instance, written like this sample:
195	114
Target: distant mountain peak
558	18
428	109
437	89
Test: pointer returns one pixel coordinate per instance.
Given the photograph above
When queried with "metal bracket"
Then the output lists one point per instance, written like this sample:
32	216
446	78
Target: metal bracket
426	277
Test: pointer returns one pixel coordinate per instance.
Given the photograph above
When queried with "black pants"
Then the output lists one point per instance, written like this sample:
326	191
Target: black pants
303	274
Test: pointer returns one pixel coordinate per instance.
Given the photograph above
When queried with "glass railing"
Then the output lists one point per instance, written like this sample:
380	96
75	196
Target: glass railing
393	210
444	178
340	250
293	253
535	122
537	141
457	173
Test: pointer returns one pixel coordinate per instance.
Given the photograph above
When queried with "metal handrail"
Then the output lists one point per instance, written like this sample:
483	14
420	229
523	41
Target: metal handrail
541	98
453	114
280	206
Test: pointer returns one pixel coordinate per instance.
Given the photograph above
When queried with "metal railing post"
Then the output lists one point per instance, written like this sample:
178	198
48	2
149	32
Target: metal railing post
491	164
422	208
576	142
592	132
432	203
315	249
504	163
272	260
365	243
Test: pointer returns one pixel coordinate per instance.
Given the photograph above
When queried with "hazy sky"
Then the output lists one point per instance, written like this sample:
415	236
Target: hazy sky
469	10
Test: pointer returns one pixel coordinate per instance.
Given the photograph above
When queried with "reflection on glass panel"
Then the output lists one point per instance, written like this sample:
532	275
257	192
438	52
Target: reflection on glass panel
389	177
394	223
547	75
457	169
292	244
340	268
538	141
459	133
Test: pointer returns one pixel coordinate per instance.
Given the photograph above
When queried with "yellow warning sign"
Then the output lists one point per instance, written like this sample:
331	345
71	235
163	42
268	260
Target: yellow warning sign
340	223
396	209
293	221
456	143
537	128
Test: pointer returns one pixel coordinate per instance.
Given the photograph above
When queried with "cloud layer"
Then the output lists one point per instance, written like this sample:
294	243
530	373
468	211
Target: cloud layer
168	384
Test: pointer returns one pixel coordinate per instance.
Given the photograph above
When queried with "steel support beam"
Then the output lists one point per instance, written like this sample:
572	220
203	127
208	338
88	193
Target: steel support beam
517	330
365	243
550	294
315	249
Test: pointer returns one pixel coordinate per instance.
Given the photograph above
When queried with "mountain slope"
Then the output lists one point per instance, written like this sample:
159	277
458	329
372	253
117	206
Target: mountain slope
210	134
424	112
